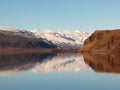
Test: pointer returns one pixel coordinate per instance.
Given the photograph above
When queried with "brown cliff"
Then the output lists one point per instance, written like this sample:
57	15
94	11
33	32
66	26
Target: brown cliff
103	40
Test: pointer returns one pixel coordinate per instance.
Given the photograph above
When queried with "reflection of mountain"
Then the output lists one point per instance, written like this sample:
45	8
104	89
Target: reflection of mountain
17	62
61	63
103	62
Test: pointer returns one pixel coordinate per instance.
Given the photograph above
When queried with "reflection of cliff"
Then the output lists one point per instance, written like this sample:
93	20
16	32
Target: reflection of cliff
13	63
103	62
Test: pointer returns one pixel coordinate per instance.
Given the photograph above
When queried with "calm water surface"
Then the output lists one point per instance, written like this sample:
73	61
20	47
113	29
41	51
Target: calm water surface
59	71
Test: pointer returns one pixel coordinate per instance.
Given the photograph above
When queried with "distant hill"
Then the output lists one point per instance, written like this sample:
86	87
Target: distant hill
103	40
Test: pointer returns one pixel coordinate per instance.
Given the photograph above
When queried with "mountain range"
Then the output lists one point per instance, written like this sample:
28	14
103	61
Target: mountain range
59	39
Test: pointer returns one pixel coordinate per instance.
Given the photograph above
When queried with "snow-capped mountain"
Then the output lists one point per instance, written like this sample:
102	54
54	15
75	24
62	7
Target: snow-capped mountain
17	38
64	39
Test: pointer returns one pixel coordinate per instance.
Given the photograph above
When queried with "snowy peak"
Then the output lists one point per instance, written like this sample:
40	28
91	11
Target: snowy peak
16	31
6	28
64	39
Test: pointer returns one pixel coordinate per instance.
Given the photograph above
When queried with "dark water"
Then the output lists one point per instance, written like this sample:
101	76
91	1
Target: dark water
60	71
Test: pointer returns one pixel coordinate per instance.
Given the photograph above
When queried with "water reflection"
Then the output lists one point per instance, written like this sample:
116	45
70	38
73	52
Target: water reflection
103	62
25	65
11	63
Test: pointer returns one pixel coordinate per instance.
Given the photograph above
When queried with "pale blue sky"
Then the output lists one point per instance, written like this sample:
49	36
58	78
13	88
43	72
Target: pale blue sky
86	15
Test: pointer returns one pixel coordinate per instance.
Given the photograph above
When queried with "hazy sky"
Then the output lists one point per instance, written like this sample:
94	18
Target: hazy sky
86	15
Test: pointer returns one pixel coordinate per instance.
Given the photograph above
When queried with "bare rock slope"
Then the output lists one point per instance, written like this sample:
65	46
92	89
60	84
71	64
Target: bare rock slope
103	40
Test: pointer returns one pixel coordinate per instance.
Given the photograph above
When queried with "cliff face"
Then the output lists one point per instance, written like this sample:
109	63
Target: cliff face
103	40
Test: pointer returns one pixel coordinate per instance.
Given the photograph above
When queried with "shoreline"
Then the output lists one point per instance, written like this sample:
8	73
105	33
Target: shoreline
17	50
22	50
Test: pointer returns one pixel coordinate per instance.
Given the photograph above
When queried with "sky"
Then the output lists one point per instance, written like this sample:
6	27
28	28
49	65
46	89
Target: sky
85	15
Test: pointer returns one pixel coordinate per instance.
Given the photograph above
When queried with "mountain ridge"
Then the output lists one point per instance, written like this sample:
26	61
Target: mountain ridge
11	38
63	39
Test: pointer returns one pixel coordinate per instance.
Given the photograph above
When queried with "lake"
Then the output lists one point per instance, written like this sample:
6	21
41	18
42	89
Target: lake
60	71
